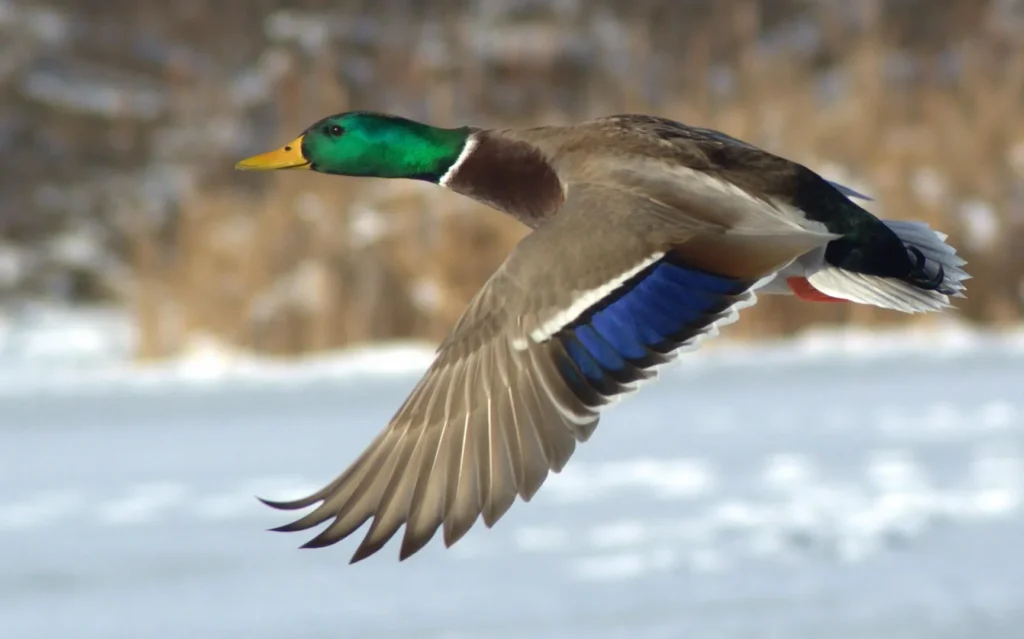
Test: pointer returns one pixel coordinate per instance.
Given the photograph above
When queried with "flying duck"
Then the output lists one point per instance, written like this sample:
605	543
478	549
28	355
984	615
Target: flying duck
648	235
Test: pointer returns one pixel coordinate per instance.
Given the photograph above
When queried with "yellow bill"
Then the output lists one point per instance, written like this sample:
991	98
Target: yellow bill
288	156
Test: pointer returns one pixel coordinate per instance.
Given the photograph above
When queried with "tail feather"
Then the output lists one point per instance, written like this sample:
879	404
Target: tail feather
932	245
897	294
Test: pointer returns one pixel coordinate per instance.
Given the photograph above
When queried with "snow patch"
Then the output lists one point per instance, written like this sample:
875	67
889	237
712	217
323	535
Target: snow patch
40	509
143	504
541	539
686	478
619	533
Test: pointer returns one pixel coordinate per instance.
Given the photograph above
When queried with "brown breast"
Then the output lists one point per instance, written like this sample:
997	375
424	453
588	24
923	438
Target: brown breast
512	176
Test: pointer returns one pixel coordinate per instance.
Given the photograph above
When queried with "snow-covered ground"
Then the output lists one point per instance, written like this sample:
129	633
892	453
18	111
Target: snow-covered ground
838	485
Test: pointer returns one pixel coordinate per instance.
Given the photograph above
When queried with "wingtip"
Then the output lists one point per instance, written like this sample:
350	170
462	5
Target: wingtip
412	545
455	531
360	555
363	551
283	505
293	526
320	541
850	193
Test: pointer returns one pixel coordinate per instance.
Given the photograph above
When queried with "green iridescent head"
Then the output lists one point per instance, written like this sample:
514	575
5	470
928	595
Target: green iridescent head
364	144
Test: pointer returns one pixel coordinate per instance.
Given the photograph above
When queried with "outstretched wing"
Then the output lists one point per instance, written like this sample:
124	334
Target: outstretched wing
583	310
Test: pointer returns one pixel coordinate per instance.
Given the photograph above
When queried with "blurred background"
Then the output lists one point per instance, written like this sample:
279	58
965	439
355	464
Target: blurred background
822	470
121	122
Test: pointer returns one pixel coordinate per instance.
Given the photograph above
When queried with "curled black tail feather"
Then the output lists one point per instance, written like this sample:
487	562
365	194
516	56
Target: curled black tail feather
919	277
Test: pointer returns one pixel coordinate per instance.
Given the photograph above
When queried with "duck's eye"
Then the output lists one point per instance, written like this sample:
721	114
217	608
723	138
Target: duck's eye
334	130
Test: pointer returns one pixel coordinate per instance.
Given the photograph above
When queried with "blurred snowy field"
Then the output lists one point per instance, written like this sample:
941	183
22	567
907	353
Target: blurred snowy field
838	485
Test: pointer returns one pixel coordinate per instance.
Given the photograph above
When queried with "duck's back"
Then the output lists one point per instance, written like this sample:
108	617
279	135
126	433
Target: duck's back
714	178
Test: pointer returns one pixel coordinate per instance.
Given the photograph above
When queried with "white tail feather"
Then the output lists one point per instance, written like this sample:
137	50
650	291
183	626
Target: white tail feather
896	294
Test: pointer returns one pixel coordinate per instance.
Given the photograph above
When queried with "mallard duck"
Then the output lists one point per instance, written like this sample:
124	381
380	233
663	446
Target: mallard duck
648	236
